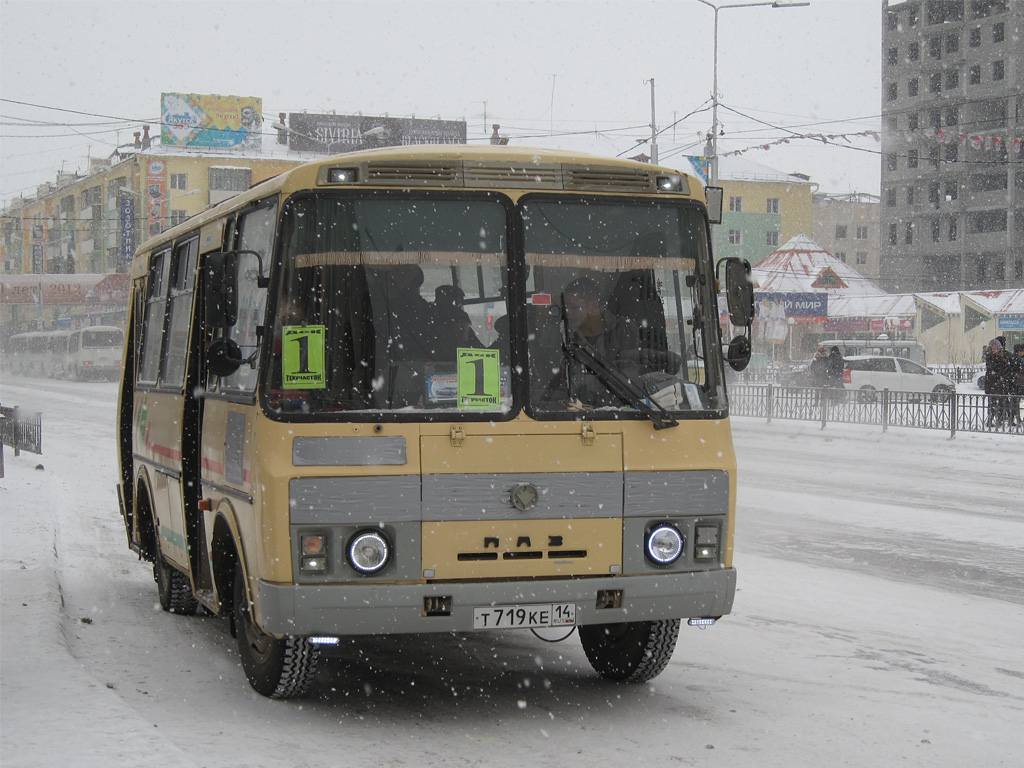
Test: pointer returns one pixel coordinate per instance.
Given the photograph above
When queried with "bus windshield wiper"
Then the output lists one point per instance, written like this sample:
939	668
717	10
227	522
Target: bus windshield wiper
582	351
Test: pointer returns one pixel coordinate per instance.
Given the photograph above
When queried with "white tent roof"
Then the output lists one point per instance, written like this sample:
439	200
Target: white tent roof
803	266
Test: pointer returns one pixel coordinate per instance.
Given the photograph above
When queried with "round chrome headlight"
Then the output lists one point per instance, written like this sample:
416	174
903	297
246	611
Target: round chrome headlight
369	551
664	544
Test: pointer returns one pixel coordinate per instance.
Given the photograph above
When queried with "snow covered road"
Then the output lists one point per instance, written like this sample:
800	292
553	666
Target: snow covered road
879	618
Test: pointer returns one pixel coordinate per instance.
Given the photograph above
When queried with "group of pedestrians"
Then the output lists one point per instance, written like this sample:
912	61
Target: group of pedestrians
1004	382
827	369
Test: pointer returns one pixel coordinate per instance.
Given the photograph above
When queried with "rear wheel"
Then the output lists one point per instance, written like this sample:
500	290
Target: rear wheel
633	652
172	585
280	668
867	394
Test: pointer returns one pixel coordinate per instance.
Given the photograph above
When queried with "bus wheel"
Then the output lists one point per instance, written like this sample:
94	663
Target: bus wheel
634	652
173	587
281	668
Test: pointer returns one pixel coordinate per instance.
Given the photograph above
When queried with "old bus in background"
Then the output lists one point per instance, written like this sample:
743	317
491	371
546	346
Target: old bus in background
94	352
435	390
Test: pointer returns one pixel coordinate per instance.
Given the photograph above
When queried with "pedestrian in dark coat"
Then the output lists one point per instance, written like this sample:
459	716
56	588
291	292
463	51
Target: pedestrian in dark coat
998	383
836	368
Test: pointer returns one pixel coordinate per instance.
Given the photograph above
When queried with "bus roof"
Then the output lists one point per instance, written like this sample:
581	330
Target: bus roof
452	166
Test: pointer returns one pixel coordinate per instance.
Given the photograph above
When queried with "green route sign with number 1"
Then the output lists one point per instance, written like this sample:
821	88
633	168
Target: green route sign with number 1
479	375
302	357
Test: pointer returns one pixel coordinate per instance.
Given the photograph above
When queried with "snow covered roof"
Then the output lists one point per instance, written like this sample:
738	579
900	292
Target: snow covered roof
803	266
998	302
884	305
947	303
735	168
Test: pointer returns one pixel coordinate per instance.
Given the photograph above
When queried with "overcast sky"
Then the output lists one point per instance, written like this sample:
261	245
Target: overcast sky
546	70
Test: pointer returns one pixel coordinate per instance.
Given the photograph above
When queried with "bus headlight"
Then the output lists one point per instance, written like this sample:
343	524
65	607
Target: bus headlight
369	551
664	544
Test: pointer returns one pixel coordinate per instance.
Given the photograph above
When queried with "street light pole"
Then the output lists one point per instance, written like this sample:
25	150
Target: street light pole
713	144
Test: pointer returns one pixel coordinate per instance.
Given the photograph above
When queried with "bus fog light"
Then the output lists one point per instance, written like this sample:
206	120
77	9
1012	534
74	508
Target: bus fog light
664	544
314	564
705	542
369	551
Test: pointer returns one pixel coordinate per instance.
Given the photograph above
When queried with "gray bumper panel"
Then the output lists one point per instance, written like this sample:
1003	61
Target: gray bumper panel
370	609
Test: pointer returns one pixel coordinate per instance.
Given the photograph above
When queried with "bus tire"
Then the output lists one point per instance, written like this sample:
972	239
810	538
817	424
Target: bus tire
173	587
279	668
633	652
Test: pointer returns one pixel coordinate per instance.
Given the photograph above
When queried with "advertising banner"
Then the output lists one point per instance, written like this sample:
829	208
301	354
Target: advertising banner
64	289
334	134
199	120
156	197
802	307
1011	323
698	166
126	215
855	324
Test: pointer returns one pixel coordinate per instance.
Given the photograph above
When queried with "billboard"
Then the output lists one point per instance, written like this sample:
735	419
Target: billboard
333	134
199	120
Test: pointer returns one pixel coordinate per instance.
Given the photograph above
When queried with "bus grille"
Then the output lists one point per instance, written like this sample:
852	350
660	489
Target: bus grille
536	176
414	174
582	177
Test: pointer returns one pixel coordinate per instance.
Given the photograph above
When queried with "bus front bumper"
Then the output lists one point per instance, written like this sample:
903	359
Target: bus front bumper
373	608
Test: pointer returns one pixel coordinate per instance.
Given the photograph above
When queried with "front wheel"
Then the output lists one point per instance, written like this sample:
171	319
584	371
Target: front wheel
280	668
942	393
633	652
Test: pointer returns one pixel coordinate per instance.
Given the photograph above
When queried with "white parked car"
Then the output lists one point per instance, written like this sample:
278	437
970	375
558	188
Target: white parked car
870	374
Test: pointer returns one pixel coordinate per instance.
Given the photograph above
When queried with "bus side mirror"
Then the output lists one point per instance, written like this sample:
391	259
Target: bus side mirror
220	289
739	291
223	357
714	196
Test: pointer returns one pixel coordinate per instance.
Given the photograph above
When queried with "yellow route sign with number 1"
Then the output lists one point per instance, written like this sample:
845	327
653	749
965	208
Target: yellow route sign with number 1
479	375
302	357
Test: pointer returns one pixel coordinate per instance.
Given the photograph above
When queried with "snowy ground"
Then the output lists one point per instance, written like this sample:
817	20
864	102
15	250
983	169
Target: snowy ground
879	620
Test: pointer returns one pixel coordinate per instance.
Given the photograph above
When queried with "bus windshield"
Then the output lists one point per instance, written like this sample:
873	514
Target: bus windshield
400	303
377	297
614	306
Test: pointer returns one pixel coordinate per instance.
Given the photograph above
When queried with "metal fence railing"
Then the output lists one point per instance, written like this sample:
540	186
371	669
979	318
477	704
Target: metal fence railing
953	412
22	432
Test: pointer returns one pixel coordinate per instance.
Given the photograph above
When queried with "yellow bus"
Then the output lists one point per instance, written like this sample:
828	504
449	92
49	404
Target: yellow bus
418	390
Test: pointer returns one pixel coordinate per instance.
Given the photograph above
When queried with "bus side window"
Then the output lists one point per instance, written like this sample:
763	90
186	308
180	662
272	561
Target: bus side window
154	316
255	232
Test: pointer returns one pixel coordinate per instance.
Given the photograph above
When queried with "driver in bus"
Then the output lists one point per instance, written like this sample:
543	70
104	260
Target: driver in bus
614	343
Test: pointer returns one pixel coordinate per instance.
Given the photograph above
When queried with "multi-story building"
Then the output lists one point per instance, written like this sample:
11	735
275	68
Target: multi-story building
847	227
89	225
762	208
952	209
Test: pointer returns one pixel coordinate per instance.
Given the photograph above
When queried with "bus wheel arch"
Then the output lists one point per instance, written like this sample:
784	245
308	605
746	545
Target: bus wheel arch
223	559
145	519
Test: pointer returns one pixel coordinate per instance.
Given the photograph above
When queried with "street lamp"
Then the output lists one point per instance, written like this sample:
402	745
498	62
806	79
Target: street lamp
713	170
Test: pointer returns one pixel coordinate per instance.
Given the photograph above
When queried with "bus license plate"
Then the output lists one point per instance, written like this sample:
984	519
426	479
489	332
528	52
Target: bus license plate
524	616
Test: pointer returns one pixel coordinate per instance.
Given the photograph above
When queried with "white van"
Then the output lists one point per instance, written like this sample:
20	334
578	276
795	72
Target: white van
870	374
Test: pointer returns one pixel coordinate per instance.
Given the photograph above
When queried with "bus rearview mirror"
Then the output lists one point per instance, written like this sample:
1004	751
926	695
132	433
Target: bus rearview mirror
739	291
714	196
